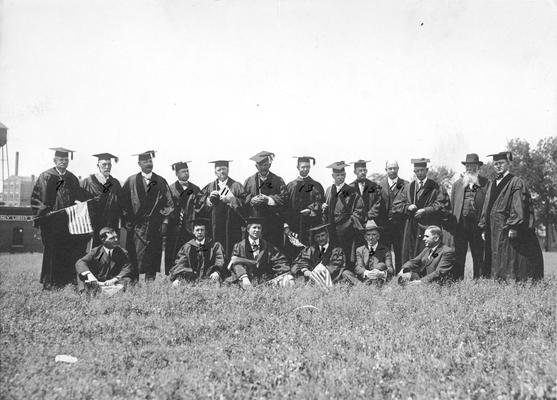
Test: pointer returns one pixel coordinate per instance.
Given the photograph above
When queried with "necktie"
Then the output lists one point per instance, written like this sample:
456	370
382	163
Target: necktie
420	185
255	249
322	249
109	256
392	186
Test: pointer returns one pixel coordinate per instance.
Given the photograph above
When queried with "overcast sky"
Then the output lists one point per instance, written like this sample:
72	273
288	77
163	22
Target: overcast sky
340	80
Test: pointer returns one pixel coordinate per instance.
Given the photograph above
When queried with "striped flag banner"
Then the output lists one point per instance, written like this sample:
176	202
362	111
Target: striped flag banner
79	222
321	276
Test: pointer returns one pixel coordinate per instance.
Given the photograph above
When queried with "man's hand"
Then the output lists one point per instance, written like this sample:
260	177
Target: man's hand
377	274
419	213
416	282
307	273
324	207
176	283
305	211
483	236
214	276
90	278
412	207
111	282
513	233
246	282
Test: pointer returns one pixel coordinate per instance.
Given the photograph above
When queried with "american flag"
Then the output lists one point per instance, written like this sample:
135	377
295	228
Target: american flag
321	276
79	222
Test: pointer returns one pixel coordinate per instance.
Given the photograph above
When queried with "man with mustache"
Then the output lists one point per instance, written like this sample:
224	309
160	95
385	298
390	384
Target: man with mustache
468	195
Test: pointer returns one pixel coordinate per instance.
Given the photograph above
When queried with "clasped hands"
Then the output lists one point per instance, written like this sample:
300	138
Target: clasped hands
419	212
375	274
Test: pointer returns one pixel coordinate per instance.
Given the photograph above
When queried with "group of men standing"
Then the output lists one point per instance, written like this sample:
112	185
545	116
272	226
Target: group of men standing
237	226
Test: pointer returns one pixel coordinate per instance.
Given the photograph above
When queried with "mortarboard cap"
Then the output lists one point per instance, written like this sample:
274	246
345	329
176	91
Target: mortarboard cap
305	159
62	152
220	163
106	156
319	228
338	166
201	221
420	162
254	220
360	163
146	155
177	166
503	155
263	156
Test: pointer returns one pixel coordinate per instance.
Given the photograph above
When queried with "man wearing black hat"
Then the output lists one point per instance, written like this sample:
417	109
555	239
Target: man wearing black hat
305	197
266	198
146	205
321	251
369	191
427	203
467	199
105	189
344	208
223	201
255	260
187	205
56	189
200	257
107	264
507	224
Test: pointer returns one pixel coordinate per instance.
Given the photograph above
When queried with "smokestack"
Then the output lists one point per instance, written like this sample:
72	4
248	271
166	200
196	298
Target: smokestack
16	163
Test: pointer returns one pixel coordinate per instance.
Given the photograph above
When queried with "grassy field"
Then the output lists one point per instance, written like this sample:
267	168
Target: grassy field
478	340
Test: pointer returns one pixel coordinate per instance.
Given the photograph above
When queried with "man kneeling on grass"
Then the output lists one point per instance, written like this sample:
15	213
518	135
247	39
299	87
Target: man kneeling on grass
433	264
256	261
322	262
106	267
199	258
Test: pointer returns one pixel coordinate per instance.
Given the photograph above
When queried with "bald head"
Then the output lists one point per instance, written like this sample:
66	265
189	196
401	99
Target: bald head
391	168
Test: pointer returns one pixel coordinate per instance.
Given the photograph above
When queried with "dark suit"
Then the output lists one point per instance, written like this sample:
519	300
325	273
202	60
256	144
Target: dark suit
195	261
464	226
367	260
333	259
104	267
431	266
392	217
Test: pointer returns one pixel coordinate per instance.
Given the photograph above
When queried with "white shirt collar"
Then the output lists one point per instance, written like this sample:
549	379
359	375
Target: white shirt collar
253	241
324	247
392	181
223	183
505	174
200	243
374	247
423	181
60	173
147	176
107	251
184	183
339	186
100	177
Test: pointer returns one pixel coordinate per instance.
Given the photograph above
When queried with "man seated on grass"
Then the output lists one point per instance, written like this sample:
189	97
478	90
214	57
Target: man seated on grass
434	262
199	258
106	265
322	262
373	260
256	261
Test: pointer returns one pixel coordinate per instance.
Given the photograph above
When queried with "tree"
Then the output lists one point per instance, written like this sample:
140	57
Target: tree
377	176
538	168
442	175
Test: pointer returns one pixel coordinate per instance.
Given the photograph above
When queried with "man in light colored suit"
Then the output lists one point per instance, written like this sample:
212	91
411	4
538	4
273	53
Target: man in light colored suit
373	260
433	264
467	200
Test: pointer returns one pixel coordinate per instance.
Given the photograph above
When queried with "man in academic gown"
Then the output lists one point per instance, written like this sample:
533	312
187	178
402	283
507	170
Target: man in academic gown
321	251
255	260
467	199
507	224
56	189
266	198
303	209
146	206
187	205
104	209
426	204
344	208
392	214
223	201
369	191
199	258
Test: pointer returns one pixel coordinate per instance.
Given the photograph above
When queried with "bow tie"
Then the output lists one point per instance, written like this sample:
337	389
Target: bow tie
500	176
255	247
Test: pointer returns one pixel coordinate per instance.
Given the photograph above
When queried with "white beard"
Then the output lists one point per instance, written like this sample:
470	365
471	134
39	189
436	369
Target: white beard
470	179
